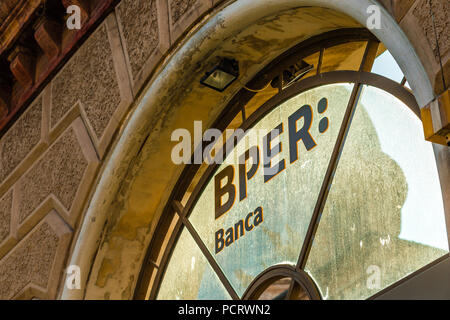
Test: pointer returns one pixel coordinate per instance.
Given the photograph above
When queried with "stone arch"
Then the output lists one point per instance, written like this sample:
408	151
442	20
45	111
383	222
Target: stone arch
132	189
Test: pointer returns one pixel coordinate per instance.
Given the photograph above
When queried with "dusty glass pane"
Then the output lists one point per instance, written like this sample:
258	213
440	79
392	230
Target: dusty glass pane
189	275
285	202
234	124
384	217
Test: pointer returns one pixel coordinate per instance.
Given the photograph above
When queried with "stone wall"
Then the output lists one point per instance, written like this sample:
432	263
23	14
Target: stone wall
50	158
415	19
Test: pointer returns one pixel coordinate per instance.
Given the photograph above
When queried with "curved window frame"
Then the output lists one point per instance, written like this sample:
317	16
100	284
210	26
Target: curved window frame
300	280
175	215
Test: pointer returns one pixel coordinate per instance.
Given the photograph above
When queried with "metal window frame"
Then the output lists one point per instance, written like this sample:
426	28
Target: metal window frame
152	273
269	276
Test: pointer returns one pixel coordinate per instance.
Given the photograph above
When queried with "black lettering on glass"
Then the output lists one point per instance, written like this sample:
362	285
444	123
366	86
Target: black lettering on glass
220	191
303	134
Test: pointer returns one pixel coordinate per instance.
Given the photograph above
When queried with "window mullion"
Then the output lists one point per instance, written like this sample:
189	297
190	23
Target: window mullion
366	66
161	268
180	210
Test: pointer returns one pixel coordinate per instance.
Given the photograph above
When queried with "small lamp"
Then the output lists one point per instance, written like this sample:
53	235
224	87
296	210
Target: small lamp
222	75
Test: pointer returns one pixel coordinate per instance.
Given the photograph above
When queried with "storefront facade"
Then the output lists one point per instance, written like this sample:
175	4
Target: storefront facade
329	191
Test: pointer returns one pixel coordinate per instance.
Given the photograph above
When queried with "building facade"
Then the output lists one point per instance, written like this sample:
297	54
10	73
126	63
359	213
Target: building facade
93	205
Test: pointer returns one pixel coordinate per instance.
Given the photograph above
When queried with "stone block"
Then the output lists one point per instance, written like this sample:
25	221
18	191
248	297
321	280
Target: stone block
144	29
440	9
60	179
7	239
183	13
21	144
418	27
92	85
33	269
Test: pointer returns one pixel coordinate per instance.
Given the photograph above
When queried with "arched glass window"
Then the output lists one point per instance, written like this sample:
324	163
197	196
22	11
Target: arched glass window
328	191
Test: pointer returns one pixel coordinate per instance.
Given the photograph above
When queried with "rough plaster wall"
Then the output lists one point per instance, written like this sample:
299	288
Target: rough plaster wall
58	173
50	156
31	261
441	9
5	216
30	269
421	13
89	77
21	139
49	159
179	7
418	27
139	21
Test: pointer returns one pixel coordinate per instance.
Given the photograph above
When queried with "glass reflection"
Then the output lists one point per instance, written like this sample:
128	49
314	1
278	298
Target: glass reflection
277	290
384	216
